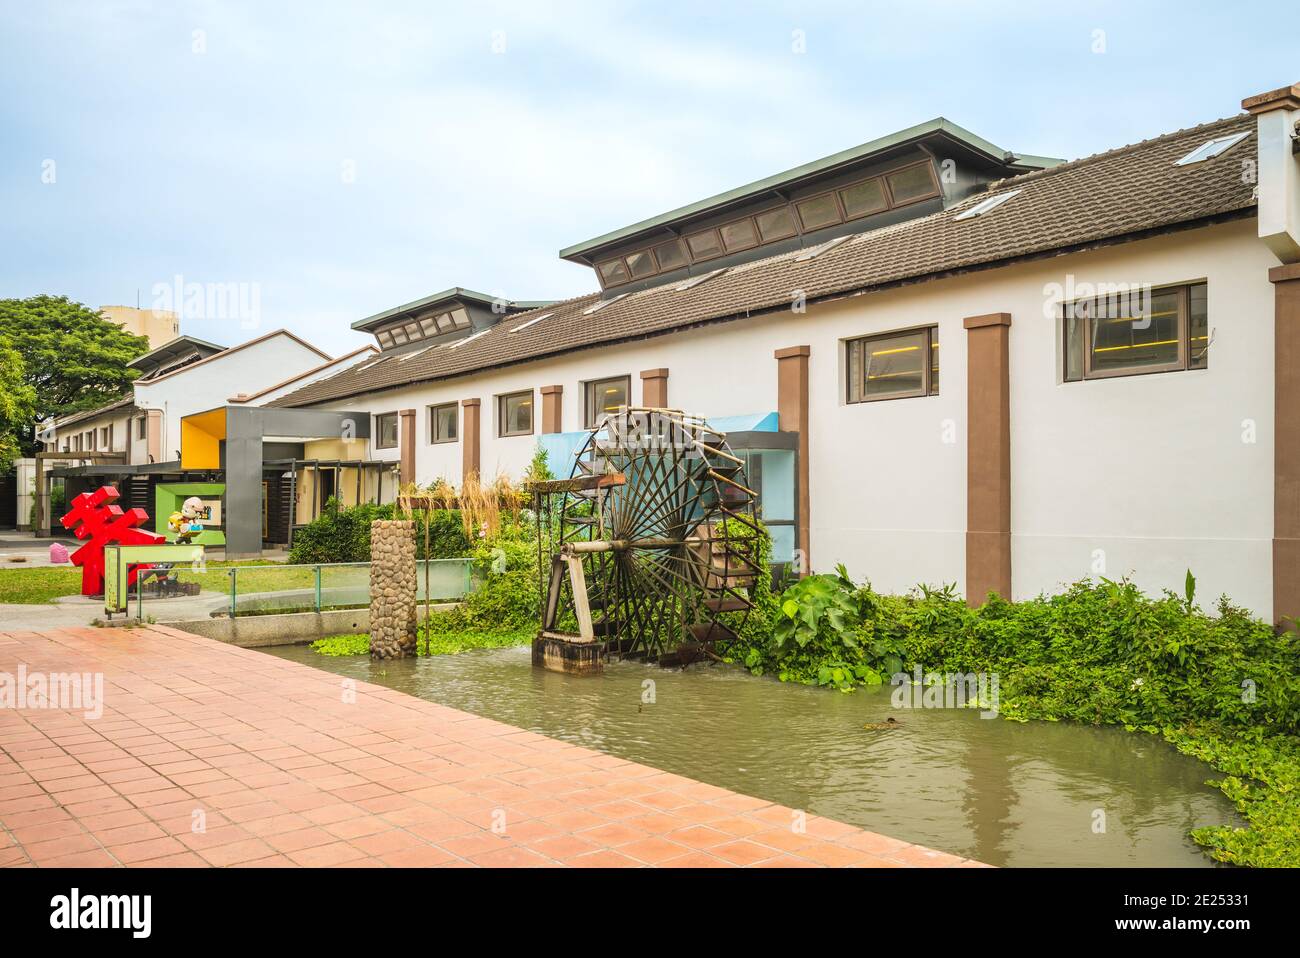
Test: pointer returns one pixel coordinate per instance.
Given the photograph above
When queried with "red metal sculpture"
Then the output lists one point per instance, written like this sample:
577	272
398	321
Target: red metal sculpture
93	517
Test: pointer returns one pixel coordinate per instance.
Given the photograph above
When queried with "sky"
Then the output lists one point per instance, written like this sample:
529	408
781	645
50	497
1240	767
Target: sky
310	164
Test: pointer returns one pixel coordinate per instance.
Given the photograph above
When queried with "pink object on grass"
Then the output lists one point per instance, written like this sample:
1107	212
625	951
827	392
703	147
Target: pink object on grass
58	553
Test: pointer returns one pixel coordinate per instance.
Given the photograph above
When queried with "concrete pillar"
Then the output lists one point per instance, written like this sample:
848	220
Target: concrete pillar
552	397
654	388
470	437
406	440
988	457
392	589
792	416
1286	441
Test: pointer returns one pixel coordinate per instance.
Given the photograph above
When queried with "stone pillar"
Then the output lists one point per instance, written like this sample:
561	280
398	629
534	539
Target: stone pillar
552	397
469	438
392	589
988	457
654	388
792	416
406	441
1286	441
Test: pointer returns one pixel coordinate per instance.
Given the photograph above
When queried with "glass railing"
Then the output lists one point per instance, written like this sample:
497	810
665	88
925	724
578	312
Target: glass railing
259	590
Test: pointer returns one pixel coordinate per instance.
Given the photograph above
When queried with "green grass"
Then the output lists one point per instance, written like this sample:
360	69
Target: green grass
35	586
439	643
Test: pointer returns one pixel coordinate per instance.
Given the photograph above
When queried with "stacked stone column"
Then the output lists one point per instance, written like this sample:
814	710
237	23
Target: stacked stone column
393	614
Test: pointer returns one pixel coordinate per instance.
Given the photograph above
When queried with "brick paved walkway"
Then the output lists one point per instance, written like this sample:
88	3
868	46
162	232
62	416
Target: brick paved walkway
283	770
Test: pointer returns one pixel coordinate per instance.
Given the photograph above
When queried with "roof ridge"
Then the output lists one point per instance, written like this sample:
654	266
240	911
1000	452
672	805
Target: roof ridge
1106	154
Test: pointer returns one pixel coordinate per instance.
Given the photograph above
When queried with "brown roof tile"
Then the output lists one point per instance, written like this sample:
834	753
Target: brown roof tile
1129	191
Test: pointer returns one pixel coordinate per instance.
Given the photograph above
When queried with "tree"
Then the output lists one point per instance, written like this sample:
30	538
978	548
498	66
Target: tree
71	357
17	403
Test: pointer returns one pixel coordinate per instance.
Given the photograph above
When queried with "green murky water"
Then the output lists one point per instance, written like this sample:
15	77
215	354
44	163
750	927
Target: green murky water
1001	792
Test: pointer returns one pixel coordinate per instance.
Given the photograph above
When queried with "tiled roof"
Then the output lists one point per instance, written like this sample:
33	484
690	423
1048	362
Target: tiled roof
1134	190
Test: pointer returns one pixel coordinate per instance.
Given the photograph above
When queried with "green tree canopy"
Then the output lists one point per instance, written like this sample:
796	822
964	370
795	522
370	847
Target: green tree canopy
17	403
71	357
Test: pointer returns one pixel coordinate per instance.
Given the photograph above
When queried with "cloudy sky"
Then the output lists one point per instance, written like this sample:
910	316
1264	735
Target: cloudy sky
338	158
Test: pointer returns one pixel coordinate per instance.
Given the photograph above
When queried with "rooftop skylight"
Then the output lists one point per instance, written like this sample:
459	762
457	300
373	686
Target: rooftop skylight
1207	151
597	307
697	280
816	251
468	339
984	206
536	319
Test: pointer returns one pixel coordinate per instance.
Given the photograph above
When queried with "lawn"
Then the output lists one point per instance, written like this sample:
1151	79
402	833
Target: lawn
34	586
440	642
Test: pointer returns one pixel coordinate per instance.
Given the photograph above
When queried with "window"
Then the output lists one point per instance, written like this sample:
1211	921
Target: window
106	437
597	307
524	325
141	427
670	256
819	211
820	248
386	431
515	414
912	183
697	280
1136	331
605	396
1208	151
776	224
984	206
641	264
863	198
705	245
443	422
739	235
893	365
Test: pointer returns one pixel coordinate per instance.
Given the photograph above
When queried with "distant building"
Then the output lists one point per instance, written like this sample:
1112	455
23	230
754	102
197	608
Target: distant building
159	325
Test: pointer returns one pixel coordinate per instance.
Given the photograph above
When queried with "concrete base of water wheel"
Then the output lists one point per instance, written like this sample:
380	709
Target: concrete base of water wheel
556	653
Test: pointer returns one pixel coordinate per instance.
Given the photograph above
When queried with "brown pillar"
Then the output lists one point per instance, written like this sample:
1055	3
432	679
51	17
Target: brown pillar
654	388
406	440
988	457
792	416
1286	441
469	438
551	403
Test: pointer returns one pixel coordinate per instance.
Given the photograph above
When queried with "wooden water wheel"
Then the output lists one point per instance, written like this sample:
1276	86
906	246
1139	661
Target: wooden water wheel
653	540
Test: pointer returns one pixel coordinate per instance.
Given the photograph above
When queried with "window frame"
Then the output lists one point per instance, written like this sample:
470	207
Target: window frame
502	419
929	388
589	413
432	412
379	430
1182	363
894	203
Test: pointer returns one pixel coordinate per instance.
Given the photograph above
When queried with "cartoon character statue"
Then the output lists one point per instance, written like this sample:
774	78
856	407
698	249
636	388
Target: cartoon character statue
186	523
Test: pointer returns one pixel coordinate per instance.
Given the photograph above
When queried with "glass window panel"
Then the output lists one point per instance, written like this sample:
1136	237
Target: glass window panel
428	325
894	366
385	339
776	224
605	396
516	414
386	431
460	318
1198	327
782	543
705	245
670	256
1073	345
641	264
934	362
911	183
443	421
863	198
614	272
399	336
777	494
1135	332
412	331
819	211
739	235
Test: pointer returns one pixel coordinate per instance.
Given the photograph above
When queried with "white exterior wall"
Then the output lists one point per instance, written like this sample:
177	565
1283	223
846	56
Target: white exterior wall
1144	475
213	382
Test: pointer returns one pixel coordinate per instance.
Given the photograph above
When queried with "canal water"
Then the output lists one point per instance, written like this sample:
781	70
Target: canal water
1001	792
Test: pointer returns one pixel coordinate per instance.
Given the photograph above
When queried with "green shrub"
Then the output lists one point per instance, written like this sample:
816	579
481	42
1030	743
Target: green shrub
343	534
